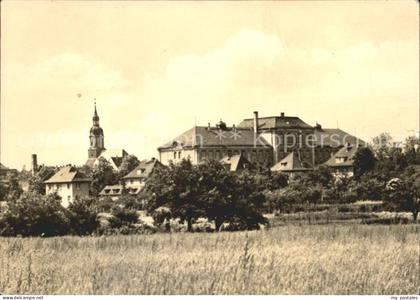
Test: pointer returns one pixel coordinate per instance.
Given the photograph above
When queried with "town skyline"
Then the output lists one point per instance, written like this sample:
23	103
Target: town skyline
359	71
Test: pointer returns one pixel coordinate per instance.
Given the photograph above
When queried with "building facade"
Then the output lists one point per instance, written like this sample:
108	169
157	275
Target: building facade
134	182
69	183
342	162
202	143
286	134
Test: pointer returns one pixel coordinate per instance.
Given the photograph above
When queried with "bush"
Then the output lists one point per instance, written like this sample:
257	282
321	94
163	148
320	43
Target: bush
35	215
125	216
82	216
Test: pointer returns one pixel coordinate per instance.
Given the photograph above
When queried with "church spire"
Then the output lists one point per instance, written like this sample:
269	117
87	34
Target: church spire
95	116
96	136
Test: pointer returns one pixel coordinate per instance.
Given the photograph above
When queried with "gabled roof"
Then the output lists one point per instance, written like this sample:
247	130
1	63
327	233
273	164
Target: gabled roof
113	156
343	157
202	136
2	167
66	175
236	162
335	137
291	163
144	169
276	122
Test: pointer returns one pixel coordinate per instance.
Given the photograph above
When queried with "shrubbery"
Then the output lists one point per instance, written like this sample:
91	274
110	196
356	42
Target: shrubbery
34	215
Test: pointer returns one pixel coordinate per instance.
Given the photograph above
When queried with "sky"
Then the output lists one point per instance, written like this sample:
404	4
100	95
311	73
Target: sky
158	68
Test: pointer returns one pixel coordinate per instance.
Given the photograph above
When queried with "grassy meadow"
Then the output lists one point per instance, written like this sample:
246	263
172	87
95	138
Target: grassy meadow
317	259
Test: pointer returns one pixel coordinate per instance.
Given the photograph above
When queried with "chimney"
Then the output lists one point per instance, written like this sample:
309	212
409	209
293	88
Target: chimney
255	121
282	114
208	126
34	164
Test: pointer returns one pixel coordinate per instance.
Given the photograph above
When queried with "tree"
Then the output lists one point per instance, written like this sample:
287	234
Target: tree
207	190
176	188
404	192
11	188
370	187
129	163
364	161
412	150
82	216
34	215
102	175
234	198
36	182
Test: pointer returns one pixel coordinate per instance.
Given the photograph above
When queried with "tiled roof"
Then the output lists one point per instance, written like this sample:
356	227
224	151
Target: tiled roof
235	162
335	137
276	122
205	137
144	169
343	157
291	163
68	174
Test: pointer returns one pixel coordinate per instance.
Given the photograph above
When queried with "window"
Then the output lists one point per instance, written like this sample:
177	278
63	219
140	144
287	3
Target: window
175	155
68	198
179	155
68	186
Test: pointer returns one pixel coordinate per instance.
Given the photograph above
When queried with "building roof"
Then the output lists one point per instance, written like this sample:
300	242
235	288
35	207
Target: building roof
144	169
2	167
343	157
113	156
275	122
203	136
291	163
335	137
236	162
68	174
116	190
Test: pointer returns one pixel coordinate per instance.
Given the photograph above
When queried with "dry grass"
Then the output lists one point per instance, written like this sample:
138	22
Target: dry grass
329	259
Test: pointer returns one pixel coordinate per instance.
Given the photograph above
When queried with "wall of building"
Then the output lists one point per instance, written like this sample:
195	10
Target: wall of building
177	154
80	190
259	157
285	141
68	191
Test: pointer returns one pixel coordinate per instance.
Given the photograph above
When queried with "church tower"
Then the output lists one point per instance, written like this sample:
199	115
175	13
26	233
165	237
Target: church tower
96	137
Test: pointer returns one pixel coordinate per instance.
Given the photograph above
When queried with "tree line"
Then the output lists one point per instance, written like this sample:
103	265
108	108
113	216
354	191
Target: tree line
231	201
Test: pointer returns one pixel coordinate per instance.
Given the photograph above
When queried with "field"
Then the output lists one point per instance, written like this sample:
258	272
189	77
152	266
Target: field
317	259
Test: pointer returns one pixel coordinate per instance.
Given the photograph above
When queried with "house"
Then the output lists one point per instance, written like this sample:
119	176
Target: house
113	156
329	140
236	163
137	177
286	134
202	143
291	164
5	170
69	183
134	181
342	162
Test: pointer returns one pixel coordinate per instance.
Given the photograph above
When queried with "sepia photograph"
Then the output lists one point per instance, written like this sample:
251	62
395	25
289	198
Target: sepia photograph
219	148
